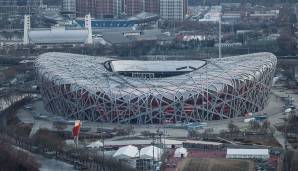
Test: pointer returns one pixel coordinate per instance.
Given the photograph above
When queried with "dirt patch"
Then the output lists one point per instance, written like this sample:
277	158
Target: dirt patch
259	140
215	164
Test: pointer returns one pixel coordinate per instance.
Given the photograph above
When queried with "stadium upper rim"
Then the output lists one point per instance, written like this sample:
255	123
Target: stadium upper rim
116	77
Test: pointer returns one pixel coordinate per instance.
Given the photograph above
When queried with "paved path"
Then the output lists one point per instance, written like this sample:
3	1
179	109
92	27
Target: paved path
52	164
47	164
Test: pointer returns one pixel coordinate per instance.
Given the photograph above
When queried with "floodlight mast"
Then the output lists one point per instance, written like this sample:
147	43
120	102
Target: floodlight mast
219	36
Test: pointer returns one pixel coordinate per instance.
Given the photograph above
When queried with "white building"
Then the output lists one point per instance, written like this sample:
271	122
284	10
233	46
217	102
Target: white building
247	153
173	9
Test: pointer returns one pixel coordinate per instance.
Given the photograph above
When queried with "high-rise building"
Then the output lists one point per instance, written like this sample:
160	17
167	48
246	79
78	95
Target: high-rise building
133	7
173	9
85	7
69	8
151	6
12	11
104	9
15	7
99	8
117	8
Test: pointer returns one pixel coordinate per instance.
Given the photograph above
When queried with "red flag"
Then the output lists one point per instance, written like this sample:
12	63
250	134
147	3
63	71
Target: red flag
76	128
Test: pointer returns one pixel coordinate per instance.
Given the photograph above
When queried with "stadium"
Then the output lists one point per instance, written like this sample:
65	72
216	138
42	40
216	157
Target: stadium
147	92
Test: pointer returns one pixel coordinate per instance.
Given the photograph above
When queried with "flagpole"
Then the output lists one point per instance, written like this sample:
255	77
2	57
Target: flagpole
76	132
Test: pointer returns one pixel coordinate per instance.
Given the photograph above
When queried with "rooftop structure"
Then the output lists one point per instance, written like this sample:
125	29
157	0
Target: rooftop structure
109	90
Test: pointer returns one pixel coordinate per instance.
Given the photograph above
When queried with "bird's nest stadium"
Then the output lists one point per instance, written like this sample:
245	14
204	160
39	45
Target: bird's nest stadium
146	92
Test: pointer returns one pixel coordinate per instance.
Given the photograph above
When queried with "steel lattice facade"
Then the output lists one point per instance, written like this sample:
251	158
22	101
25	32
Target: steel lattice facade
84	87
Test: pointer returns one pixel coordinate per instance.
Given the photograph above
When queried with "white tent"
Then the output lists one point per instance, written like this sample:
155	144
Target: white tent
180	151
147	152
126	152
95	144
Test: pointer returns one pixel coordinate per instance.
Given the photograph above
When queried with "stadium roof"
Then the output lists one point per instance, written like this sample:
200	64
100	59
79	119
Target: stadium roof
149	66
142	17
89	73
58	35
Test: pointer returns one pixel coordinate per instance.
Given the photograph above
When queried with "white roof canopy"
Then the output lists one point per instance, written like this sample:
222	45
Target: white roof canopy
126	152
180	151
95	144
147	152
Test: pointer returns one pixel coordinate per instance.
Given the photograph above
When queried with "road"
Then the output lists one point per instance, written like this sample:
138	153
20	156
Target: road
274	110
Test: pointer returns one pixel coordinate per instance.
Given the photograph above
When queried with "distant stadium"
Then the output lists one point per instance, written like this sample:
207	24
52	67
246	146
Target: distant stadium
146	92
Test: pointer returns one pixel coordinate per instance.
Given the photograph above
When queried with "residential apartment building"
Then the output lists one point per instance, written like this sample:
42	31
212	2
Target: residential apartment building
151	6
69	8
133	7
99	8
12	11
173	9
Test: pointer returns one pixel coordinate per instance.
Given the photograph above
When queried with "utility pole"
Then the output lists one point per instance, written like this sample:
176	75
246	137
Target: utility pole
286	144
103	151
153	143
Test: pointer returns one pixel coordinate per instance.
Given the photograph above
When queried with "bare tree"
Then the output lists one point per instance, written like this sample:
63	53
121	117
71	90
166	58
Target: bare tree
265	125
192	133
59	126
208	131
254	125
146	133
13	159
233	128
48	140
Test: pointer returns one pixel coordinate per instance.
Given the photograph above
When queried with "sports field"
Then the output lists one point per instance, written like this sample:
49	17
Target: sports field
215	164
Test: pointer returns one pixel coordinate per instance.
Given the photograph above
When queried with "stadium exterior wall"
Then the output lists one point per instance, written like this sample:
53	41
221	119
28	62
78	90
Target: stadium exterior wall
80	87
